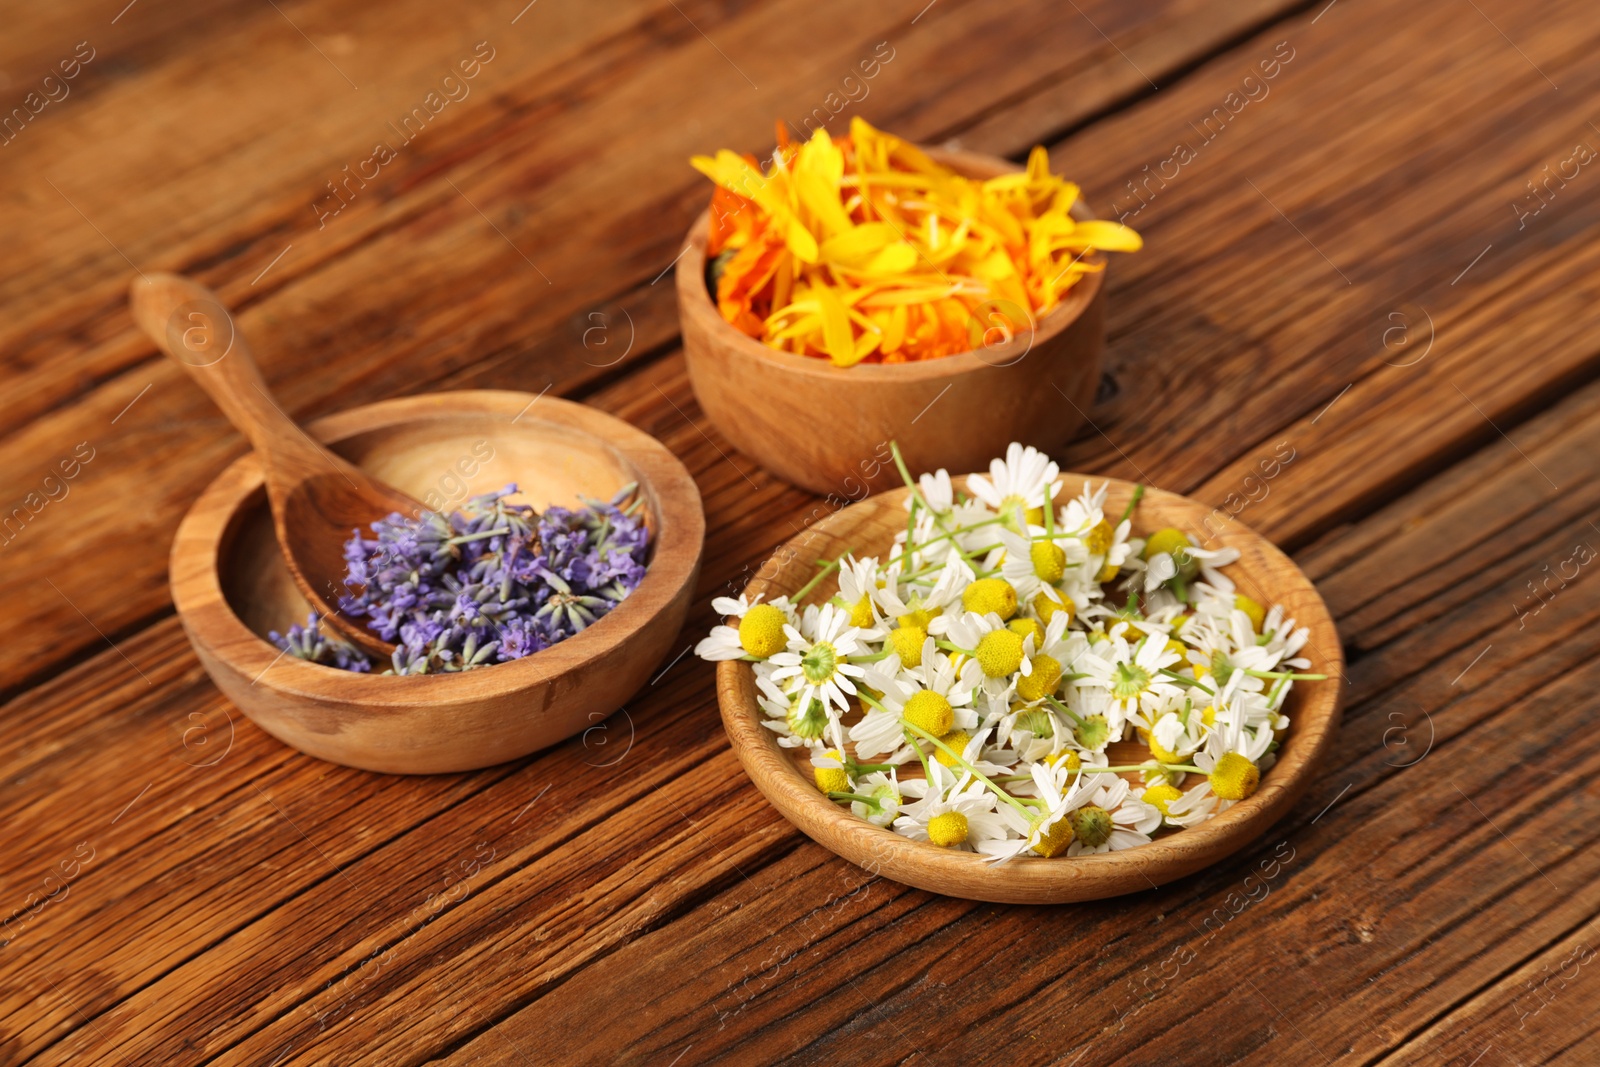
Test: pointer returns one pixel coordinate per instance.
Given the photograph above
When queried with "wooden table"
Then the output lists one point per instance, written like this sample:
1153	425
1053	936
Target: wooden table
1371	241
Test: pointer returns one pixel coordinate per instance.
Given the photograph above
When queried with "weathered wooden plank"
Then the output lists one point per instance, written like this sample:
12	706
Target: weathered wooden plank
1405	879
311	902
256	937
572	146
1534	1013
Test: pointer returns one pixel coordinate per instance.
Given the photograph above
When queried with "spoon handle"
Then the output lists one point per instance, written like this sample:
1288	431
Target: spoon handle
189	323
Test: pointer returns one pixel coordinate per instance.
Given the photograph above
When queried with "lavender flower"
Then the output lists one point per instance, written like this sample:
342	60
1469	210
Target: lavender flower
493	582
309	643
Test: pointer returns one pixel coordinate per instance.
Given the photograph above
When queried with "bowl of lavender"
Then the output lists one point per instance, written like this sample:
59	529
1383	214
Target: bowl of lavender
547	580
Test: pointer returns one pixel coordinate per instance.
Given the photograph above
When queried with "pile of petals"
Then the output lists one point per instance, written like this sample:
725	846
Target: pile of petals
865	249
495	581
963	689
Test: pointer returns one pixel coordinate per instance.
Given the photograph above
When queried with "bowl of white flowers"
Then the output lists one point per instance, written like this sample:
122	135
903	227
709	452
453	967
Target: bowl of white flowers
1026	686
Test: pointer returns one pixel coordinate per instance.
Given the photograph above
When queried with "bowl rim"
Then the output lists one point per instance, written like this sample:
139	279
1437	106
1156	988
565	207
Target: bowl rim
202	605
694	301
1036	880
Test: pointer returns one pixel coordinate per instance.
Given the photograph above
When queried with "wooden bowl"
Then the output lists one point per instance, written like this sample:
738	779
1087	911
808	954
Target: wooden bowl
1262	572
231	587
827	428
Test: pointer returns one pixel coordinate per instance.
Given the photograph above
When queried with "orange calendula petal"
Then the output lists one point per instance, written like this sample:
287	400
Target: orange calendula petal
865	248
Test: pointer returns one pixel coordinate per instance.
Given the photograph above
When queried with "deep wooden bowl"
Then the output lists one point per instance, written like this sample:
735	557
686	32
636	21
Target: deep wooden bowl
827	428
231	587
869	527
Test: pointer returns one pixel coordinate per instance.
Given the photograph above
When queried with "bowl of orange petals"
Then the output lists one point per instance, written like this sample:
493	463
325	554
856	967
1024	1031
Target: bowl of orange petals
855	291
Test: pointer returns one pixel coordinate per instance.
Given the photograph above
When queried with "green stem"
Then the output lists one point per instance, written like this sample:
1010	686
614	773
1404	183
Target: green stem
1133	502
872	801
970	769
1063	709
1181	680
911	484
464	538
911	525
948	647
829	568
861	693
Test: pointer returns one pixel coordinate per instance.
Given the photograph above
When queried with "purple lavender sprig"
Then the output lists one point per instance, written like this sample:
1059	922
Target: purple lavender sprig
493	582
308	642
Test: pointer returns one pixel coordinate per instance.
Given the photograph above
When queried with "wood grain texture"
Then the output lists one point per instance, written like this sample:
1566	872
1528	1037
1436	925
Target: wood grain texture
771	404
266	908
868	529
316	496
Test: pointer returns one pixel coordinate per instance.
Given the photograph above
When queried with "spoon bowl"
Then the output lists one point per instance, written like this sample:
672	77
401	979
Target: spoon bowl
317	497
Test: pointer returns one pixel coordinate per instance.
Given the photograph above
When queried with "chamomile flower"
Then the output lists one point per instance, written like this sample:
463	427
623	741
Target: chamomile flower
758	632
798	724
938	492
1031	564
930	697
1018	487
916	606
1131	676
1230	761
1111	818
858	588
884	792
952	813
991	656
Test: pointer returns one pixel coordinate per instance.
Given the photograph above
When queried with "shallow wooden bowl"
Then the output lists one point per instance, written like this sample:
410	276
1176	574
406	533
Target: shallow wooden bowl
827	428
869	527
231	587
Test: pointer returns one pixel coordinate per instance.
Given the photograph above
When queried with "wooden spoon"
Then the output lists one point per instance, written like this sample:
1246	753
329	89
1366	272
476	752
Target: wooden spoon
317	497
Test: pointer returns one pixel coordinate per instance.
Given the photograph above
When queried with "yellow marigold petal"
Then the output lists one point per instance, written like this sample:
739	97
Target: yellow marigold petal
837	339
1108	236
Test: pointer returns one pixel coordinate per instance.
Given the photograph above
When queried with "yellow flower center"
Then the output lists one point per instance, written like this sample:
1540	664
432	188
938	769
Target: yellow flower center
1041	681
1107	572
1000	653
861	614
761	631
907	642
1159	796
957	742
927	710
948	830
1252	608
1046	608
1165	755
1054	841
1234	777
1174	543
831	779
1098	539
1179	649
1025	627
1092	824
1208	715
1068	759
1049	560
919	618
1018	516
990	594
